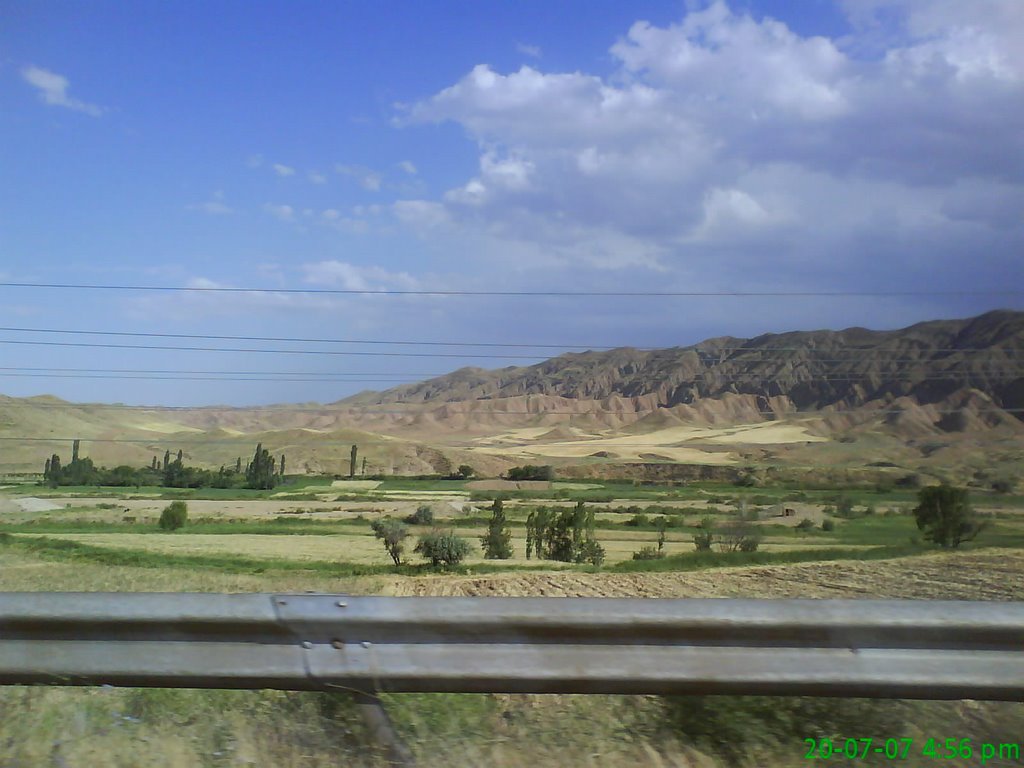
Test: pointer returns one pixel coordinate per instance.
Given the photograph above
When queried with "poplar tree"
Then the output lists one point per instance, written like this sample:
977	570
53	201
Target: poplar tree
497	542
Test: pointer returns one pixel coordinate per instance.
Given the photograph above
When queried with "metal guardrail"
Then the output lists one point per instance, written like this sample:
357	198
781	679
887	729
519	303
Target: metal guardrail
878	648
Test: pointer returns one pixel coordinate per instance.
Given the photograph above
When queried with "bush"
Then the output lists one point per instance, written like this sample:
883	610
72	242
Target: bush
639	521
648	553
423	515
591	552
828	525
705	535
443	548
805	525
174	516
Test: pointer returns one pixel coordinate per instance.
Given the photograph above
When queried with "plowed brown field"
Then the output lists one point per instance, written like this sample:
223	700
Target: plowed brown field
984	575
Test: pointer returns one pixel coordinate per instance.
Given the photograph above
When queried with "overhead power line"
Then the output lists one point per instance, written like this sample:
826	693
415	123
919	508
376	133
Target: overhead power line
554	293
959	377
696	348
351	353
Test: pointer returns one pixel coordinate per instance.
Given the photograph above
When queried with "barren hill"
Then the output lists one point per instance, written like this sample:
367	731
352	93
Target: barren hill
928	362
936	398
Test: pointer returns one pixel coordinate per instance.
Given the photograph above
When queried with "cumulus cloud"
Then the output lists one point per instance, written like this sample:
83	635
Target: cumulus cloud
316	178
53	90
732	146
408	167
283	170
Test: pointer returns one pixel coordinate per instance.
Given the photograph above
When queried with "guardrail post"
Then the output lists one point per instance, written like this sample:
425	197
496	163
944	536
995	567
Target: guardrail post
383	731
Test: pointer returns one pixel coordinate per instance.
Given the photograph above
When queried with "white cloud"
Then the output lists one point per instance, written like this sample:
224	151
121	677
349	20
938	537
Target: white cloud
282	212
215	206
368	179
316	178
421	214
254	161
408	167
53	90
352	277
283	170
740	147
533	51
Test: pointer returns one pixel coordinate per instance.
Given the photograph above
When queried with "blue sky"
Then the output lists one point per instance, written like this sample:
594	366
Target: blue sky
857	145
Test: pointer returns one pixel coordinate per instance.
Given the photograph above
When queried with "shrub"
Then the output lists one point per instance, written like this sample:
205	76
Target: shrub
639	521
423	515
591	552
805	524
648	553
443	548
705	535
828	525
174	516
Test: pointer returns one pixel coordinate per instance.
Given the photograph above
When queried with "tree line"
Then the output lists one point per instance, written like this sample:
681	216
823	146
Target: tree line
262	472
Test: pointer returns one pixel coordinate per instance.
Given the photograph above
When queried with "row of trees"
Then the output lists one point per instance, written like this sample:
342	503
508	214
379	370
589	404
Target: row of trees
444	547
263	472
566	535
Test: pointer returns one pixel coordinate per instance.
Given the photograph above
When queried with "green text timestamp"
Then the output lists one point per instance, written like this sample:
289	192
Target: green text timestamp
902	749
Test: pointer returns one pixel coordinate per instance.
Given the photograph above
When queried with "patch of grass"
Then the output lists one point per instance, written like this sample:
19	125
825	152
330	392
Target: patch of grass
62	549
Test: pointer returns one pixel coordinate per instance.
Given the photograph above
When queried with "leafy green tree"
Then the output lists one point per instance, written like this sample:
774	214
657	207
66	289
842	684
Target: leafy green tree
260	474
443	548
945	516
281	470
393	533
466	471
167	458
174	516
352	461
497	542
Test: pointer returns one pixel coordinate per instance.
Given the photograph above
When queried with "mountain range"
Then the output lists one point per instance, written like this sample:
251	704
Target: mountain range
938	397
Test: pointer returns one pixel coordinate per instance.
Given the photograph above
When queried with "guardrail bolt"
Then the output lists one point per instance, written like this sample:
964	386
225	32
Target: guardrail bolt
338	644
366	643
341	604
306	644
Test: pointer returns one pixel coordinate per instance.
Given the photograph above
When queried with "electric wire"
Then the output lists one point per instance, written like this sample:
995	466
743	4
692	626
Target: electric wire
552	293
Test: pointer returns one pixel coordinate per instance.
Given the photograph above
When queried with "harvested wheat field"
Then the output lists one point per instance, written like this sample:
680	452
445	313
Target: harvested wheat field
983	575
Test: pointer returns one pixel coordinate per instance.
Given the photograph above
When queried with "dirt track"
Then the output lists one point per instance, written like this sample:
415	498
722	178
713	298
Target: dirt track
987	575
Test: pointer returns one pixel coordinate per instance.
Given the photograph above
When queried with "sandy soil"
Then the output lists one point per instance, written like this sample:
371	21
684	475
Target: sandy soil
28	504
